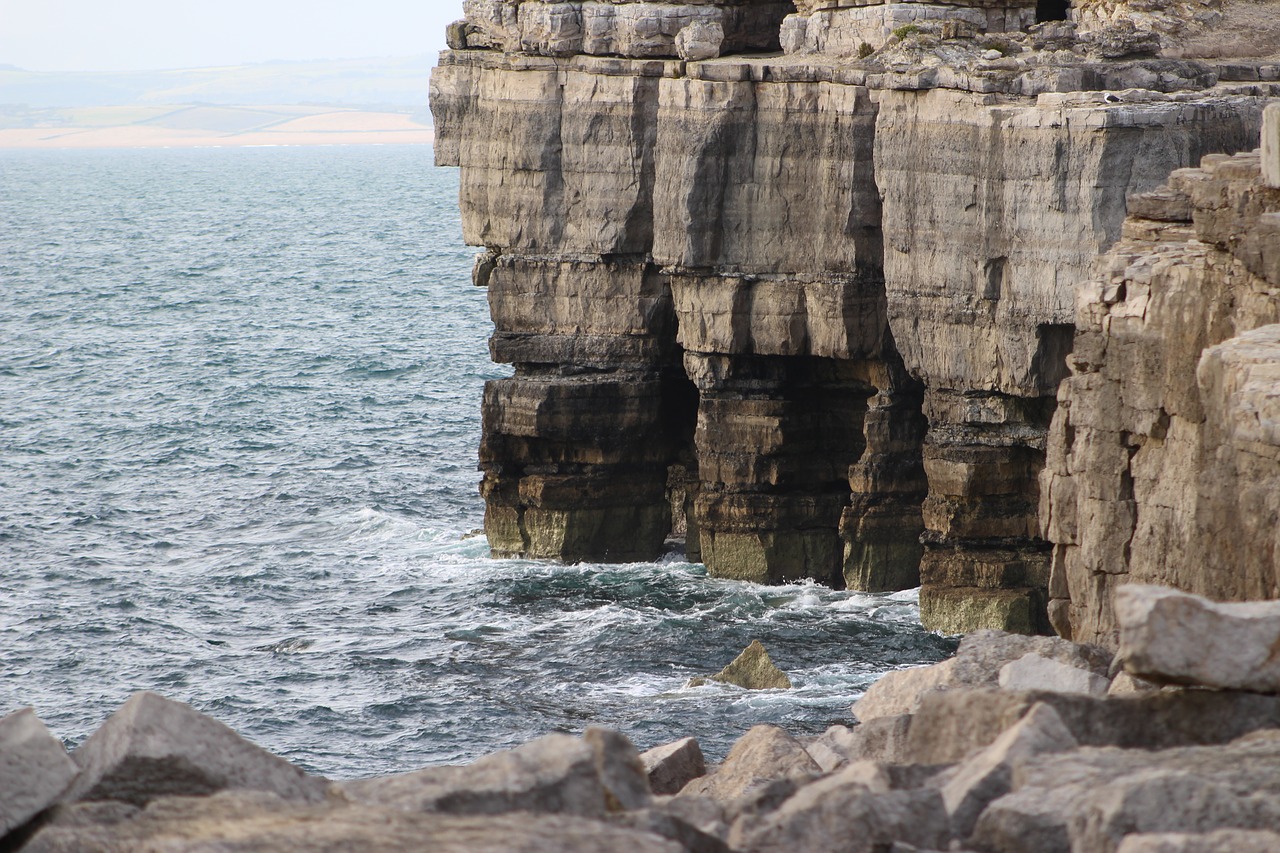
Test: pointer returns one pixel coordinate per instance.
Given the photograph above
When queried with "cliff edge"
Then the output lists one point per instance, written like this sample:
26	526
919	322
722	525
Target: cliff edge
809	308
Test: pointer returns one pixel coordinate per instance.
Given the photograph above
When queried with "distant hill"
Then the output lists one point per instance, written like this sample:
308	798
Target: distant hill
365	83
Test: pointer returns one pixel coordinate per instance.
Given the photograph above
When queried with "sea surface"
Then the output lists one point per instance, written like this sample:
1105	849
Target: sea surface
239	412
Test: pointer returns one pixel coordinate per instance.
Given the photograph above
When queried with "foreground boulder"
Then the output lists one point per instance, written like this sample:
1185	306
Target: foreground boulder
674	765
978	663
253	822
1174	637
154	747
1221	841
555	774
34	769
764	754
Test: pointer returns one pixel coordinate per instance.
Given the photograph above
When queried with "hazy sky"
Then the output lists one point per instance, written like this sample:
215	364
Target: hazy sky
135	35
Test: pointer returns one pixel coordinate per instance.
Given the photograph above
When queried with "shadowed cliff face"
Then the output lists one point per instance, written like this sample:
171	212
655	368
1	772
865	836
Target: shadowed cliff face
811	314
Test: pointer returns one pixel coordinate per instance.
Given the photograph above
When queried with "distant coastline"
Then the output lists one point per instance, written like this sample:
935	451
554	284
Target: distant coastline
203	126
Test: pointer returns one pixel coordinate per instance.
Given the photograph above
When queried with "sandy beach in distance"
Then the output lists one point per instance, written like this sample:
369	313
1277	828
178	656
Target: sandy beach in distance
341	127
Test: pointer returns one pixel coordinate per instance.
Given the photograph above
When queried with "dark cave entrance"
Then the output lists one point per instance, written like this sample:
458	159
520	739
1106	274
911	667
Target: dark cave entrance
1052	10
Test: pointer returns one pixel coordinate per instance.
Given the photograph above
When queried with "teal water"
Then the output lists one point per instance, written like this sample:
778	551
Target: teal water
239	413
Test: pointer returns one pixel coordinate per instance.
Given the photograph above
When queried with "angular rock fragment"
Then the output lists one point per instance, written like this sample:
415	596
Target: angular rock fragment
834	748
622	773
672	766
1271	145
752	670
989	774
34	769
977	663
1220	841
554	774
840	813
763	755
1034	672
256	822
660	823
154	747
700	40
1174	637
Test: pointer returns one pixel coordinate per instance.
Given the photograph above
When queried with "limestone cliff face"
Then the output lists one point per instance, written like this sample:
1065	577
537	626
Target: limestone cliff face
812	313
1165	452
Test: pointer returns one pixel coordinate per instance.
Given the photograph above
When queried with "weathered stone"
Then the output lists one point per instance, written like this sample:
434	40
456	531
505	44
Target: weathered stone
700	40
1271	145
1125	684
753	670
672	766
154	747
702	813
1033	672
763	755
34	769
622	772
977	663
989	774
834	748
662	824
554	774
1174	637
1162	457
840	813
883	738
1090	799
254	822
1219	841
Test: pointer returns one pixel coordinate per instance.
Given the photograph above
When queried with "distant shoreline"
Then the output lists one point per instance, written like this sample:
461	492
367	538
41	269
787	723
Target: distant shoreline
302	127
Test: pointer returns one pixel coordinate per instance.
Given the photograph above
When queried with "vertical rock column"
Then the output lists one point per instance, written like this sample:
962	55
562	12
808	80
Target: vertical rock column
767	218
995	209
557	177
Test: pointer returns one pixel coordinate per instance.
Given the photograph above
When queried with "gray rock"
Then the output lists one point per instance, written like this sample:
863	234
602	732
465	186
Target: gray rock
884	739
1221	841
154	747
700	40
1088	800
34	769
977	663
661	823
764	754
622	773
1035	672
553	774
1174	637
702	813
989	774
751	670
839	813
834	748
1125	684
255	822
1271	145
674	765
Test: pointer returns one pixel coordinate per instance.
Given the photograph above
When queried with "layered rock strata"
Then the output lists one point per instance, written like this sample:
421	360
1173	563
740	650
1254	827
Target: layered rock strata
818	310
1165	452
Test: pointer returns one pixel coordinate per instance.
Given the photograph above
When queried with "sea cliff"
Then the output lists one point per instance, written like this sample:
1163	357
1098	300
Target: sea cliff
811	308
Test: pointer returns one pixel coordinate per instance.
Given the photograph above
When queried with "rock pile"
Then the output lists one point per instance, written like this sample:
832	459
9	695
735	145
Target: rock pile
1015	745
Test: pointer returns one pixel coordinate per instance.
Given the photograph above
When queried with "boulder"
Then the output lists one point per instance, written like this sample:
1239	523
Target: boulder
700	40
1174	637
1036	672
674	765
764	754
256	822
989	774
884	739
1271	145
752	670
34	769
658	822
1125	684
154	747
1221	841
1091	798
977	663
554	774
838	812
622	773
834	748
702	813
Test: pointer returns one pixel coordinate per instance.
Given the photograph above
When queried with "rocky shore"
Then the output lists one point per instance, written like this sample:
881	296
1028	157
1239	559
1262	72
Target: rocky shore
1017	744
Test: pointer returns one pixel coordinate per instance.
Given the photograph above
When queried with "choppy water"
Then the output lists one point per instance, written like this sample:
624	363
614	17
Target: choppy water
239	412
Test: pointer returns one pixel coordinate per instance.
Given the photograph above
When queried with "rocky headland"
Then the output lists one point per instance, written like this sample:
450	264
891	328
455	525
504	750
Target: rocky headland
1018	744
816	287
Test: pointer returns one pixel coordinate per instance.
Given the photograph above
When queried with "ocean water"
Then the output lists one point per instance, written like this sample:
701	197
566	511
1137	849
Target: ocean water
239	413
